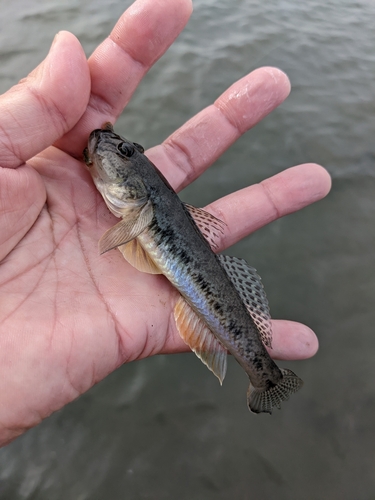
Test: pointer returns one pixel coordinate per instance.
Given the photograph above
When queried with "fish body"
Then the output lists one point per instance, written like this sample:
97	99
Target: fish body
222	306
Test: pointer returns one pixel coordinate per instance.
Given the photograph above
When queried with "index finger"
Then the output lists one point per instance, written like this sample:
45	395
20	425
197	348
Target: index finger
140	37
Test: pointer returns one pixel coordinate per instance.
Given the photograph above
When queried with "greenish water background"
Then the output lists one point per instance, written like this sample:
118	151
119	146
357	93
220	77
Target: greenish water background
162	428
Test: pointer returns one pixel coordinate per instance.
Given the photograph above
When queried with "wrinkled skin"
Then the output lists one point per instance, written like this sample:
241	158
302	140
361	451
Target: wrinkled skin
69	317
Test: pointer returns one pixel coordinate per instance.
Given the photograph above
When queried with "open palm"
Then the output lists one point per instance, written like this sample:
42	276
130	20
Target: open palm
68	316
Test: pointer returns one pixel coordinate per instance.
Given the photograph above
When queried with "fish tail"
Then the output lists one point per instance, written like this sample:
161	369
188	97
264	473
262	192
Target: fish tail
263	400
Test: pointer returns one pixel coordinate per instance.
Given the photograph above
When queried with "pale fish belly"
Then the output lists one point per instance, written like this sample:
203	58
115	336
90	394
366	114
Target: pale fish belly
170	266
180	276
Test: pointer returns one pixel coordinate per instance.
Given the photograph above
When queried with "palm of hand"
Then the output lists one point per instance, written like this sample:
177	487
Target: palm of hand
69	316
63	304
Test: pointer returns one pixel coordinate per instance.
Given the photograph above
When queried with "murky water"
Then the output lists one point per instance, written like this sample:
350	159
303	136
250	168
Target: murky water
162	428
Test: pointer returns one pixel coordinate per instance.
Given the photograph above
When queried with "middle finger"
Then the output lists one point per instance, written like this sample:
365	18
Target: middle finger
189	151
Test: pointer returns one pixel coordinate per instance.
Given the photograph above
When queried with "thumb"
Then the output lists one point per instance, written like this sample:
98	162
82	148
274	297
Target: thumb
33	114
46	104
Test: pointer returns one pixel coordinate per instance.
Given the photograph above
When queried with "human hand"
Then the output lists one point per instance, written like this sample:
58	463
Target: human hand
68	316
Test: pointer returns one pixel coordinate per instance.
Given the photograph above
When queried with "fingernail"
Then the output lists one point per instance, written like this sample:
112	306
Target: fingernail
54	41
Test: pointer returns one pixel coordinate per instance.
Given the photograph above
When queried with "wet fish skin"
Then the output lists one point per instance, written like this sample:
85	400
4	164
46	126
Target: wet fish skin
165	230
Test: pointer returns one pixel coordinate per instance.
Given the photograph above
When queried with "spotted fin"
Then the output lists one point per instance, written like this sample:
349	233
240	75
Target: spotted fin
138	258
250	288
127	229
264	400
209	226
200	339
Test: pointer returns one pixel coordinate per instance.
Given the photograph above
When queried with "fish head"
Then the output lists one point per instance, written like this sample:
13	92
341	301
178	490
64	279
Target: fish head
112	161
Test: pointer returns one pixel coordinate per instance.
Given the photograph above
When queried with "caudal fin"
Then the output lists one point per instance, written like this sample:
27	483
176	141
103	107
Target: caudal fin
263	401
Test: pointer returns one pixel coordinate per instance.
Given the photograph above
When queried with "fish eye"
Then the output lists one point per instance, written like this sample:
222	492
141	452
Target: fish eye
125	149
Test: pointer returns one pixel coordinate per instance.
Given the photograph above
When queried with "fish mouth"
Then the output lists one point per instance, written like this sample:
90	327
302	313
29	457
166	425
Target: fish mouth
97	134
94	140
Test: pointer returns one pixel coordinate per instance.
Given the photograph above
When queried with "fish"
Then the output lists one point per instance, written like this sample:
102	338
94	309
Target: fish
222	306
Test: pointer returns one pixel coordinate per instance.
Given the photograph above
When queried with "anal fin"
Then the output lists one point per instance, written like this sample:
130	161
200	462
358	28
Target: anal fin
200	339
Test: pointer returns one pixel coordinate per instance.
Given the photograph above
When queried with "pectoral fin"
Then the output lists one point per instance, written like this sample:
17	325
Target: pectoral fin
250	288
209	226
127	229
138	258
200	339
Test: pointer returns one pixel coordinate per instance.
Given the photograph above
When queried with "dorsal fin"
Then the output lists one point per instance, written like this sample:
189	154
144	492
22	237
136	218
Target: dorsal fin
211	227
200	339
250	288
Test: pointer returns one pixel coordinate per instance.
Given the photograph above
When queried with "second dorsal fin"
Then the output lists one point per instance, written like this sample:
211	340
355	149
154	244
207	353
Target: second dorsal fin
250	288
